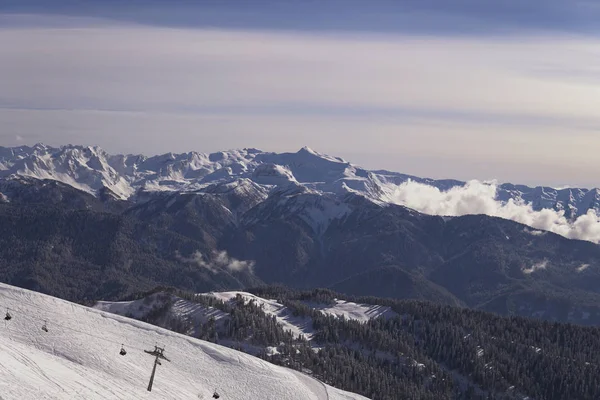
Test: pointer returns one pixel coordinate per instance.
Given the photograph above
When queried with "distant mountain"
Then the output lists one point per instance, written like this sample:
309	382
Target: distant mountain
231	220
126	177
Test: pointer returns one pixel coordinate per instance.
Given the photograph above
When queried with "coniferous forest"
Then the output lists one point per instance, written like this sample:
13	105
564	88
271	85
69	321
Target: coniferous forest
427	351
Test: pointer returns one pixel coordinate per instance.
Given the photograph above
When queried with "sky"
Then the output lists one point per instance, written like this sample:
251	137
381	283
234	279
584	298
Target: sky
506	90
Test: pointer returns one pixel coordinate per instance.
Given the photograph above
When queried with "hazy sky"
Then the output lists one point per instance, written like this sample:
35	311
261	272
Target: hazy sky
499	89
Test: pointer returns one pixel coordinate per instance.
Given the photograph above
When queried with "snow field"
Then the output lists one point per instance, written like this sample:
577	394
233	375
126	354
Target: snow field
78	358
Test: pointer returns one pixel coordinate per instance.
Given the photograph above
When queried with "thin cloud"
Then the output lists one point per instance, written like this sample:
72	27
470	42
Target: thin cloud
536	267
425	17
219	261
141	68
417	104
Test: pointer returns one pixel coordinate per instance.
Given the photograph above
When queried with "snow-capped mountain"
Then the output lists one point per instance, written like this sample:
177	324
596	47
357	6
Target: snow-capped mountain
92	169
137	177
77	357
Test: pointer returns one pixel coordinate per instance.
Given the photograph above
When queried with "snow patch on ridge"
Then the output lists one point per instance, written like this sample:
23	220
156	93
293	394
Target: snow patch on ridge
303	326
358	312
298	326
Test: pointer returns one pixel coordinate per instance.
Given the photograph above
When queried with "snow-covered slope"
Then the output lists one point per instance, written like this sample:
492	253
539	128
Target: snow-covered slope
296	325
347	309
140	308
194	312
351	310
78	358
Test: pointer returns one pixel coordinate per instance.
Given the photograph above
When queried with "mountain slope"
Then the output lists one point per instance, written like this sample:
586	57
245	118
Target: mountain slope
396	252
79	358
81	254
232	237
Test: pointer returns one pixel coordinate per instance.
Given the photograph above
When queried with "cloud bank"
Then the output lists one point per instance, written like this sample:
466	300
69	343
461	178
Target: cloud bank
219	261
480	198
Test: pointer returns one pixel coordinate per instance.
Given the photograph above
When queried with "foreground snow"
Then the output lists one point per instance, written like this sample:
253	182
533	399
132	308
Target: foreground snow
79	358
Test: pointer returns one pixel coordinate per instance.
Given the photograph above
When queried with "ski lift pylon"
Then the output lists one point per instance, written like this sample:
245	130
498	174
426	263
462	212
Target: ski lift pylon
45	327
216	395
8	317
122	352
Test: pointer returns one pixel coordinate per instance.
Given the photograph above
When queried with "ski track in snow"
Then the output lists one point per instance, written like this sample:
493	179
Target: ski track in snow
78	358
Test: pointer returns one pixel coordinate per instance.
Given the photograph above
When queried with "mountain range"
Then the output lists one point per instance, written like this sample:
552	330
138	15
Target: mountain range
127	176
80	224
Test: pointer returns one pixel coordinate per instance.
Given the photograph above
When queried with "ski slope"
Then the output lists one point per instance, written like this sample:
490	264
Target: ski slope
78	358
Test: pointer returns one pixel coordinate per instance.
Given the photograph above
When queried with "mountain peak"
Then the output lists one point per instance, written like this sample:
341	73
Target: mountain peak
39	147
308	150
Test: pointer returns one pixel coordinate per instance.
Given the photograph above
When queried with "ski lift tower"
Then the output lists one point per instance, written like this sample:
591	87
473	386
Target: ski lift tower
158	353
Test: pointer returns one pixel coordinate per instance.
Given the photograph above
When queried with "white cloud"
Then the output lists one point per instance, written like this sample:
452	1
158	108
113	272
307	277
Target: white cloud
223	260
219	261
536	267
480	198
